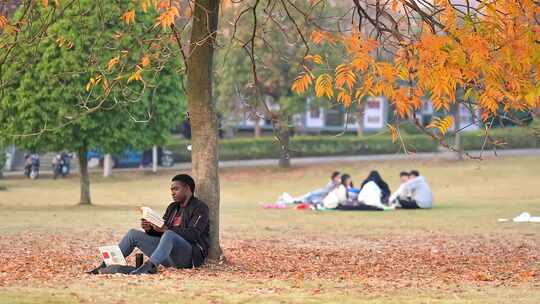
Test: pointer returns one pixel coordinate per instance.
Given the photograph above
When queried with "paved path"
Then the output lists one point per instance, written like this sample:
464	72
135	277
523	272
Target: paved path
321	160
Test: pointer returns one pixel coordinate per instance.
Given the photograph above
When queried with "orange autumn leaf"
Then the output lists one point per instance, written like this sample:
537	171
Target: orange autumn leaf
129	17
145	61
319	36
301	83
167	18
345	98
114	61
3	21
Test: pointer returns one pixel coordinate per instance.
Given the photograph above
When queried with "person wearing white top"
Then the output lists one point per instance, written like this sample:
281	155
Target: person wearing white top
413	194
335	198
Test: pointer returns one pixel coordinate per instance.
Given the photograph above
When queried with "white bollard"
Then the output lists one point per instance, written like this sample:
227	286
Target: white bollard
107	165
154	158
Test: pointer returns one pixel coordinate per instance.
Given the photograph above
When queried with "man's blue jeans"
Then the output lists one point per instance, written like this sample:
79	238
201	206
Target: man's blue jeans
168	250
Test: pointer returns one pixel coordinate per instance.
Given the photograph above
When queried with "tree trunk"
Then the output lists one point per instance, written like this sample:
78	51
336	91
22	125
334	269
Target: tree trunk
107	165
360	118
85	177
257	127
284	135
202	111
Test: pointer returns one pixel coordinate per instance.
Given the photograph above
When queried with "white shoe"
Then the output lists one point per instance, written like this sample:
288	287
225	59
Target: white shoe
287	198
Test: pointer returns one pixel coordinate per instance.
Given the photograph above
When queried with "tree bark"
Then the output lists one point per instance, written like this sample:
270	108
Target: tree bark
202	111
84	177
257	129
284	135
360	119
107	165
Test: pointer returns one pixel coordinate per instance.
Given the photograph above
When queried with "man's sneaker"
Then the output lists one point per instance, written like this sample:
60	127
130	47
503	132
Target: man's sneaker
97	269
146	268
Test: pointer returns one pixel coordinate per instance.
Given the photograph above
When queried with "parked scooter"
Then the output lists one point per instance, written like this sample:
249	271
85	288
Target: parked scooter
61	164
31	165
167	159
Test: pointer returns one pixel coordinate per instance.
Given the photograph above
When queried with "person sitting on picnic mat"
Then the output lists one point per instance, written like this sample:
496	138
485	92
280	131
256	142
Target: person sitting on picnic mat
415	193
183	240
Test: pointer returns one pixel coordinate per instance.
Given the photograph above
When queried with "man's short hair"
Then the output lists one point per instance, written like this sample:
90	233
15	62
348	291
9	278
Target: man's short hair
334	174
403	173
415	173
186	180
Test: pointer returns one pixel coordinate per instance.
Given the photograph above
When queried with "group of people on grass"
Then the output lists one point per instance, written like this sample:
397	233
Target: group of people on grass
372	195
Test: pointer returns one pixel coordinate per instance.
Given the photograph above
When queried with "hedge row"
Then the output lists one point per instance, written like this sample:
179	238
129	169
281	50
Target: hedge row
304	146
510	138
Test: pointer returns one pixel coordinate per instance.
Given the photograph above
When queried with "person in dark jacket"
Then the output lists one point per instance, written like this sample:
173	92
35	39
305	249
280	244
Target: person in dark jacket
183	240
375	177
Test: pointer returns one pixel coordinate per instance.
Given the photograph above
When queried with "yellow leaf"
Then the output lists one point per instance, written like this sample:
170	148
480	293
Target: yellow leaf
323	86
129	17
443	125
92	82
315	58
393	132
345	76
114	61
45	3
137	76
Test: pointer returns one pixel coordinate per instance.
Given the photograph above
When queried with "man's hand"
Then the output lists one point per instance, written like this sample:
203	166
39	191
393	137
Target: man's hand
158	229
146	225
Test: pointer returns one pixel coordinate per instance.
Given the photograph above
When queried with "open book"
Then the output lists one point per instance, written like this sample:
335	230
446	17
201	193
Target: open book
112	255
152	216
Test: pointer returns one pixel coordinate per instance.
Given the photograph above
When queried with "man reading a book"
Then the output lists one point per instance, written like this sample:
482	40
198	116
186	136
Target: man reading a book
182	242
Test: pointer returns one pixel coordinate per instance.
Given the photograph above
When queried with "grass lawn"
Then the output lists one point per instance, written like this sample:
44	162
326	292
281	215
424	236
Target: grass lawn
454	253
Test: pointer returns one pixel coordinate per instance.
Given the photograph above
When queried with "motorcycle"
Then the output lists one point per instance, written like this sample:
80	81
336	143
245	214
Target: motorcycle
31	165
167	159
61	165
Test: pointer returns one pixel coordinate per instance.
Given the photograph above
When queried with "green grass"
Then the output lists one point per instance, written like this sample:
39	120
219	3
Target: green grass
469	198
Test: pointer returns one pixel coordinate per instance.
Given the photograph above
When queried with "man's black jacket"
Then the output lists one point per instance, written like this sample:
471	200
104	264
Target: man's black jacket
193	227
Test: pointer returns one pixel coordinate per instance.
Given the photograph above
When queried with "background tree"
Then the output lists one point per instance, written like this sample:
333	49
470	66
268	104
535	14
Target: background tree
53	93
488	48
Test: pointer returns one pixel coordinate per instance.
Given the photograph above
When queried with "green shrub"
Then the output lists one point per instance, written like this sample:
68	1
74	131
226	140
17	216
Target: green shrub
305	146
507	138
409	127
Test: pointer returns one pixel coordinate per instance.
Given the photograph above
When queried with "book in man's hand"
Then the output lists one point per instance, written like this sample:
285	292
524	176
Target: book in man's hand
152	216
